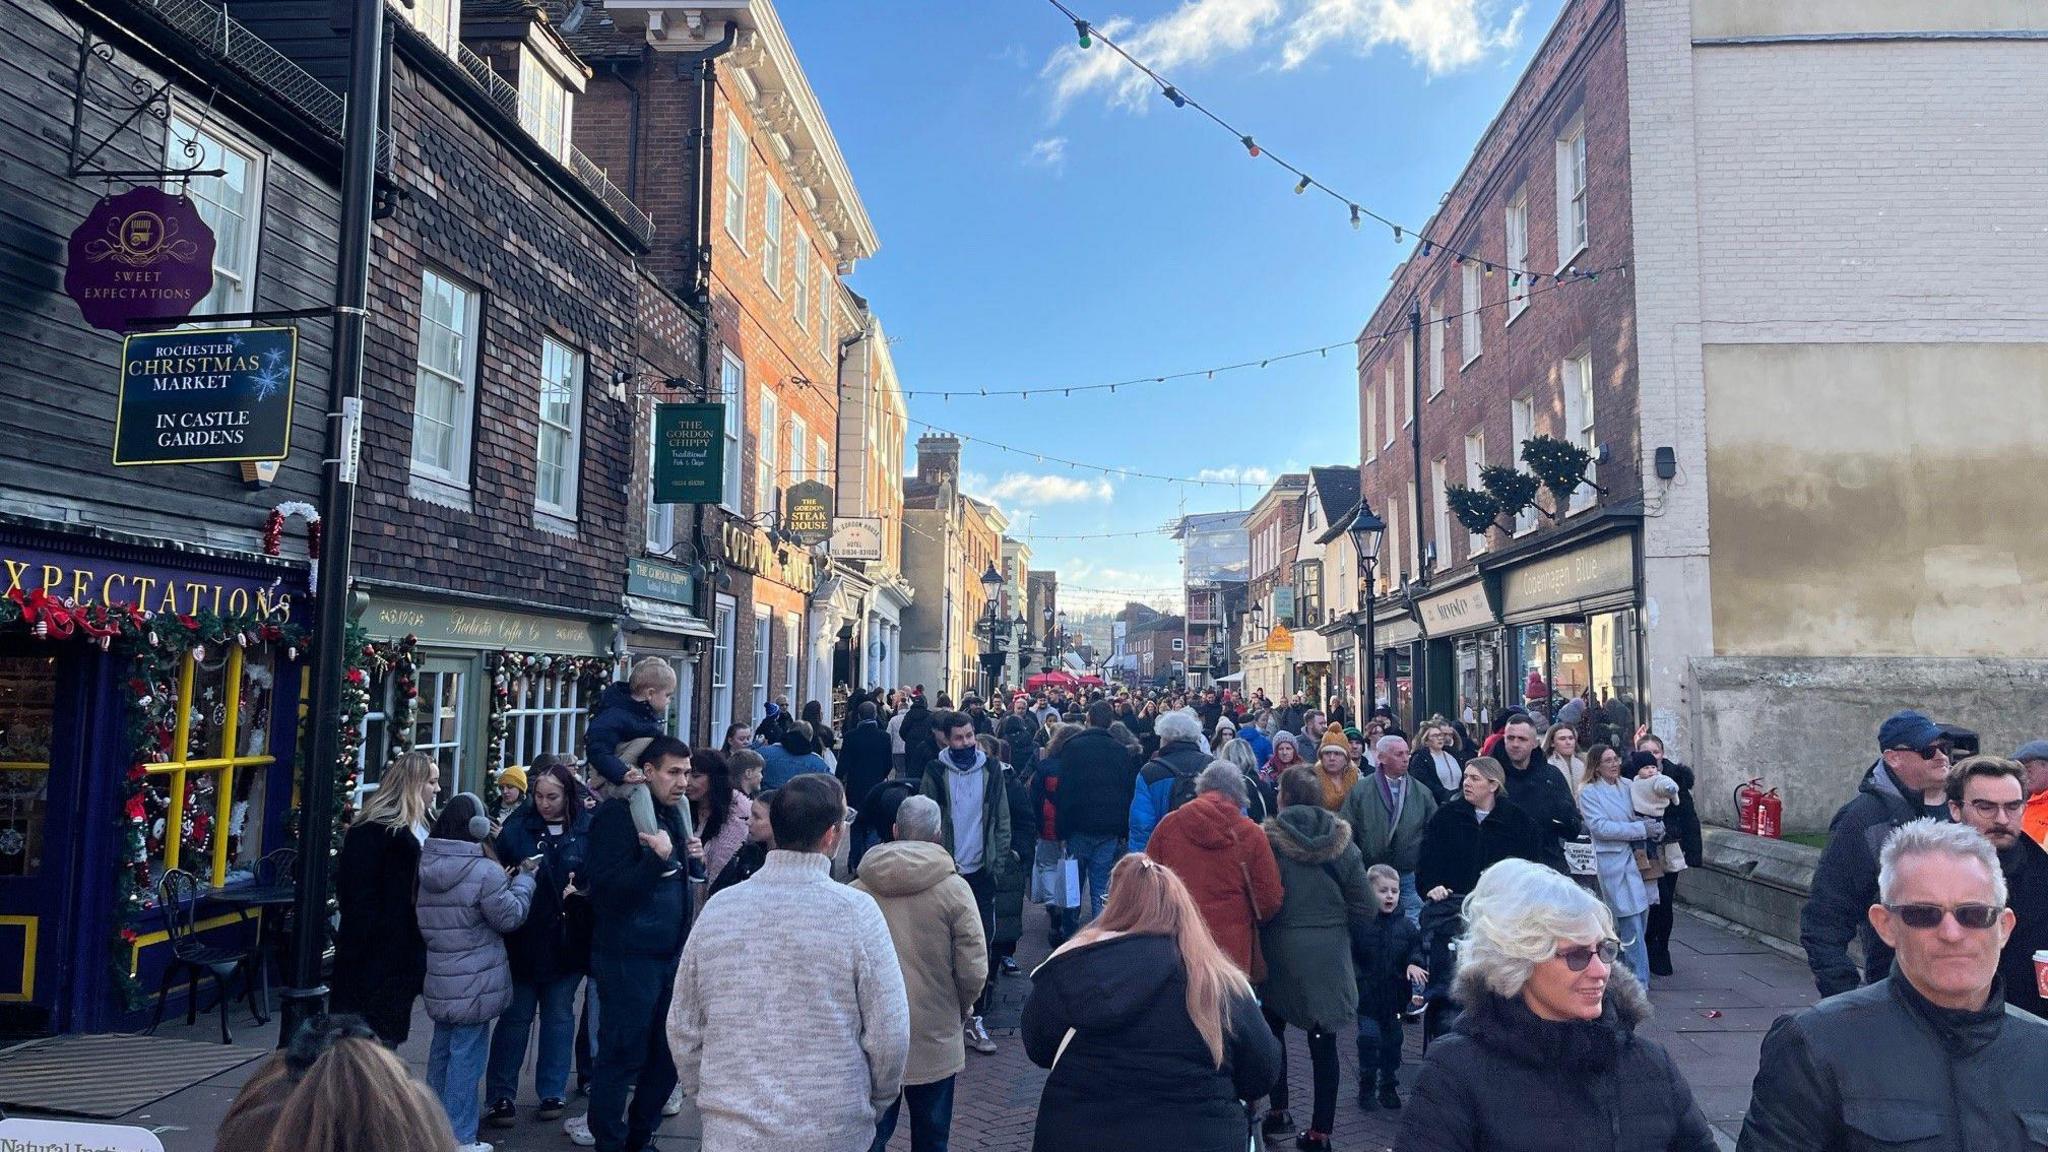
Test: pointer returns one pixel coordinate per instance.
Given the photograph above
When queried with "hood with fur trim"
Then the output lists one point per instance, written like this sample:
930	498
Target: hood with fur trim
1307	834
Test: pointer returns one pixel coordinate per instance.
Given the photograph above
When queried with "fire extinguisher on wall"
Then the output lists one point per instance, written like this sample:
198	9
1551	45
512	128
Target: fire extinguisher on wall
1770	815
1748	797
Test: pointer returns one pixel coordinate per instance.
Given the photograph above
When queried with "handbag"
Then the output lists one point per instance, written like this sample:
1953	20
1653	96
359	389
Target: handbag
1651	867
1070	883
1258	972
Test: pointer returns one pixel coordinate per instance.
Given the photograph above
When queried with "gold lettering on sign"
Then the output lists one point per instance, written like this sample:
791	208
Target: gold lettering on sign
86	587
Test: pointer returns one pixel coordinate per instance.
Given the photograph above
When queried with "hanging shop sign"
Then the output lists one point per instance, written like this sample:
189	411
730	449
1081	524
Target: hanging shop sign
1459	610
206	396
1280	639
1598	571
808	512
142	255
750	550
90	581
856	538
689	453
658	581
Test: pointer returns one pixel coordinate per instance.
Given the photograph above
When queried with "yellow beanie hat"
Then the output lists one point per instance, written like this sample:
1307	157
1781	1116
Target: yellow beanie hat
515	776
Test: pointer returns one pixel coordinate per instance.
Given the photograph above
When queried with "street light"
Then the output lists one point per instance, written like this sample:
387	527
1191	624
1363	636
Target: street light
1367	530
991	660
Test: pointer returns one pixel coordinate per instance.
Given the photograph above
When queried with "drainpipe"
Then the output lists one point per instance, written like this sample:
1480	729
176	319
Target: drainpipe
632	125
700	295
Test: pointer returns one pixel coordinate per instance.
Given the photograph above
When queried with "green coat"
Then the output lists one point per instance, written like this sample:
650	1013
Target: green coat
1399	844
1309	982
995	815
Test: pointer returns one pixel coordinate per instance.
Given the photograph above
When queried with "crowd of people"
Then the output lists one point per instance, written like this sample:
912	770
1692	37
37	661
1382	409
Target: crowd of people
801	930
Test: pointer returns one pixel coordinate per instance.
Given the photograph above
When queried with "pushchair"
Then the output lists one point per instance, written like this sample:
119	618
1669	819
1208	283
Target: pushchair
1441	922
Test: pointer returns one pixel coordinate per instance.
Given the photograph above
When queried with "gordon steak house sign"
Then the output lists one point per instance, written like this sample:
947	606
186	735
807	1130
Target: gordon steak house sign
142	255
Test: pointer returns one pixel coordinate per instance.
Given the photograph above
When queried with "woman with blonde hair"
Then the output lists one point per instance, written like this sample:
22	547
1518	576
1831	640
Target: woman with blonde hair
1152	1033
380	960
358	1097
1561	747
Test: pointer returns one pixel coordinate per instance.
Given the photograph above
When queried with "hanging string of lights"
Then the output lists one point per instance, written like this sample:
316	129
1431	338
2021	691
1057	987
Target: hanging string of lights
1320	350
1044	458
1088	34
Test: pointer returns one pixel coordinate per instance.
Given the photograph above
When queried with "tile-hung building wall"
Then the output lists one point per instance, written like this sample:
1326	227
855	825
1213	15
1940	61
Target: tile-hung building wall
1835	247
1503	358
178	540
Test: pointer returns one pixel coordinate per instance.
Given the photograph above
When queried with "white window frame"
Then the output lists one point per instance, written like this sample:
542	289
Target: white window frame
1574	227
724	633
1471	339
440	21
1414	538
732	381
234	264
828	283
792	632
767	456
1522	425
1475	459
1372	419
682	704
1436	349
547	106
661	518
1577	373
800	283
799	450
1387	383
736	160
822	463
462	382
1440	507
1517	227
561	369
1407	383
772	212
548	717
1391	556
764	635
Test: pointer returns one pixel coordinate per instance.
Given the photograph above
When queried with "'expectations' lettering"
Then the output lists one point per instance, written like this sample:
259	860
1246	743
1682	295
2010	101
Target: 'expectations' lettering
206	396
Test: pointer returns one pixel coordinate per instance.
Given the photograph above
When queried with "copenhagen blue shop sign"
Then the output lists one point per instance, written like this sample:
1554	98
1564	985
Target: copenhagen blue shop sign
206	396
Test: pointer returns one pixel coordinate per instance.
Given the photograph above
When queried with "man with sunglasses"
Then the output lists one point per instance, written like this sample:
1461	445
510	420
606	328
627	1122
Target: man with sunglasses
1989	794
1908	782
1928	1057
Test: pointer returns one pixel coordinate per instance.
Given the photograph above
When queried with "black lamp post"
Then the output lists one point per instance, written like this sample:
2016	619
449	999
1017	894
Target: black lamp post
991	660
1366	532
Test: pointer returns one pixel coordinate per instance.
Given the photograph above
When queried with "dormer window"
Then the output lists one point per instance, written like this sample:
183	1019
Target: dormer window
437	20
547	98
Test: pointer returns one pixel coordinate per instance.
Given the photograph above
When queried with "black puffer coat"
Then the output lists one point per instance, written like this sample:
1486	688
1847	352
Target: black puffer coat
1506	1081
1136	1073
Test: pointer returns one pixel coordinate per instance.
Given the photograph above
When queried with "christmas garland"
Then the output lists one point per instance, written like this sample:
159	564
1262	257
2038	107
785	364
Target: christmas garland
511	670
273	535
155	645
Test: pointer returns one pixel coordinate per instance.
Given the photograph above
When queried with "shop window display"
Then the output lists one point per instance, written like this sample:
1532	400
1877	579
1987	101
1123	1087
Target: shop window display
204	803
28	689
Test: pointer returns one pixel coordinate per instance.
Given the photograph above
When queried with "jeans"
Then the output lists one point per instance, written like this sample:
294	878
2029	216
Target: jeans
931	1117
1411	900
632	1049
1635	954
982	883
1379	1050
454	1065
586	1033
1096	856
1323	1071
555	1001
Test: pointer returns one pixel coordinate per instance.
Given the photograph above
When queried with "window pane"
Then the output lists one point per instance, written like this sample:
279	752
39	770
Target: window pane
28	698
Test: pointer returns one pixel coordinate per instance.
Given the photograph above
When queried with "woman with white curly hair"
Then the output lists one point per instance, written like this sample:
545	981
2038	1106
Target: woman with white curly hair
1545	1054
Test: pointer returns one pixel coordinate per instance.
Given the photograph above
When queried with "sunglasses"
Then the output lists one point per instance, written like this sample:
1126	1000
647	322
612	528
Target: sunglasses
1927	753
1579	956
1925	916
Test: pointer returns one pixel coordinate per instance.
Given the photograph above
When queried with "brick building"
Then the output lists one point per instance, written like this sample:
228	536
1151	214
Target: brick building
705	113
950	541
1804	394
1273	529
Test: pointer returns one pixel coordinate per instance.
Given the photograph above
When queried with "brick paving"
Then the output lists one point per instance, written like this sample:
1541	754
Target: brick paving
1711	1015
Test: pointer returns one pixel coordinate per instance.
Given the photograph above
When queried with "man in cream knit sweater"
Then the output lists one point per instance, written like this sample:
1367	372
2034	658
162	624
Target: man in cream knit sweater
789	1024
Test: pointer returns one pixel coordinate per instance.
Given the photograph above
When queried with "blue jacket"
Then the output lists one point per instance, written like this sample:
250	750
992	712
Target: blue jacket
619	719
1262	744
1176	766
782	766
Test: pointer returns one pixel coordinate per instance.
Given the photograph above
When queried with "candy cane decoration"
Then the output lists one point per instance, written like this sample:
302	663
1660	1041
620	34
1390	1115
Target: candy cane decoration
273	535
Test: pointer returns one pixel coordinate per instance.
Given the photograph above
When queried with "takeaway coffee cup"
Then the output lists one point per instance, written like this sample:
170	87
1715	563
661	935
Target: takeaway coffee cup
2041	972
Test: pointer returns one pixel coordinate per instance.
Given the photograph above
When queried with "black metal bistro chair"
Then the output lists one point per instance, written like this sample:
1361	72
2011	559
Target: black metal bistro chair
179	891
277	867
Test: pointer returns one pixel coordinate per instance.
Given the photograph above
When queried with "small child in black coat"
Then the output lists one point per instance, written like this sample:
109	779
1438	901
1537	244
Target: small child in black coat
627	712
1387	957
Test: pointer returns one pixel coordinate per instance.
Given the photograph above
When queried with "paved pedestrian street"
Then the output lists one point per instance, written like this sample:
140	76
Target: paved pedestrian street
1711	1015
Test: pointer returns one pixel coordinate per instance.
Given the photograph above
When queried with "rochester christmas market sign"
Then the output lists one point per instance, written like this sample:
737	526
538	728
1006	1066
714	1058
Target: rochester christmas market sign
142	255
206	396
809	517
689	453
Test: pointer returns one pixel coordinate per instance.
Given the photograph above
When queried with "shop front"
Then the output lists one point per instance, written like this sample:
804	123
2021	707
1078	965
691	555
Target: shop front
1461	633
477	686
147	720
662	621
1396	639
766	652
1571	630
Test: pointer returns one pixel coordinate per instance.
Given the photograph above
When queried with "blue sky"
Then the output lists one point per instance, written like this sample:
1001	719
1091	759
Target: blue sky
1044	222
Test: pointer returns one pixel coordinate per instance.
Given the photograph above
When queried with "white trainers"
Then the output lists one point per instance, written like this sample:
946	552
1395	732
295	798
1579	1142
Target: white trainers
479	1146
674	1106
578	1128
978	1037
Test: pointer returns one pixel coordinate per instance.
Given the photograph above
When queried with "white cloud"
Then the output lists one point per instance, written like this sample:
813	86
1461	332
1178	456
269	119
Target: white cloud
1025	488
1440	35
1237	475
1050	152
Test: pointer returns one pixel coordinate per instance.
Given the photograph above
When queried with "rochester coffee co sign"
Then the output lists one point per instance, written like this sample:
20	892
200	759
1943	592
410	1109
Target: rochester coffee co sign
142	255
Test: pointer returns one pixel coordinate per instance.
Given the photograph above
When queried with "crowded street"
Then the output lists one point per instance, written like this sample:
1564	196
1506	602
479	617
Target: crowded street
849	575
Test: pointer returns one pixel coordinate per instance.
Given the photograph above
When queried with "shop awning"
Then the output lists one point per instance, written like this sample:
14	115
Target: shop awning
659	616
1233	678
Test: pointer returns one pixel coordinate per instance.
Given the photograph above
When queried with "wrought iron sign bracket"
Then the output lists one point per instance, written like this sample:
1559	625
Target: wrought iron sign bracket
127	99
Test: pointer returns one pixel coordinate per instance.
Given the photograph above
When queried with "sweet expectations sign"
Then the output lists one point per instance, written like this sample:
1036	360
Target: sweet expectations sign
689	453
142	255
199	397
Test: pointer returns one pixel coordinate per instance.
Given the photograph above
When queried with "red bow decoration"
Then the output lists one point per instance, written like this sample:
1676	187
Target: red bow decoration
46	615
